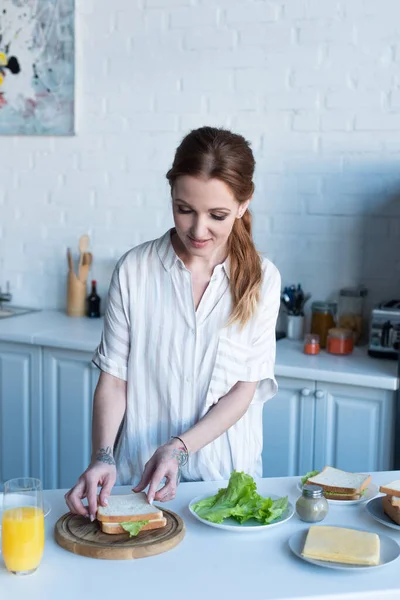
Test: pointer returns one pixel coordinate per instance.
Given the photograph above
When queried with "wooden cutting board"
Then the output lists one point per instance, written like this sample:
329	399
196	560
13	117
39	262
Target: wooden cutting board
78	535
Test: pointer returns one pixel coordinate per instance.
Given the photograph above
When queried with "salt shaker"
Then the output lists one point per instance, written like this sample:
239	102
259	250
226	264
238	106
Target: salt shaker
312	506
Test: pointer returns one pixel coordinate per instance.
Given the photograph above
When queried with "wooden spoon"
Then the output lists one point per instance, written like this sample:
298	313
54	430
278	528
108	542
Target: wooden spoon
87	259
83	246
84	272
69	258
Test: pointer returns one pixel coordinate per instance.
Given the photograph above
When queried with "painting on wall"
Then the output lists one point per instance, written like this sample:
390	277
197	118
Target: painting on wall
37	67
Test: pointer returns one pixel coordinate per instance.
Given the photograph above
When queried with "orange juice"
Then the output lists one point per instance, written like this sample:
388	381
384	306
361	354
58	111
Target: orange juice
22	538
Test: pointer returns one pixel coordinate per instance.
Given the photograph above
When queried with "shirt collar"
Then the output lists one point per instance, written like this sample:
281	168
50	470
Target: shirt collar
166	251
169	257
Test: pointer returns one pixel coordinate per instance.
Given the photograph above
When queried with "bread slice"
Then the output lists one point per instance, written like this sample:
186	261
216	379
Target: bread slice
336	480
128	507
114	528
338	496
391	489
394	501
393	512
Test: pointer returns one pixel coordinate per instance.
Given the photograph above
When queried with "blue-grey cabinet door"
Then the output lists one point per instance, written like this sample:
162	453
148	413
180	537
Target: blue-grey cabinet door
353	427
69	382
288	429
21	448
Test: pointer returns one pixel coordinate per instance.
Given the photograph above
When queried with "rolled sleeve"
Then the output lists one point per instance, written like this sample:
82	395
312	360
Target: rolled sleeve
112	354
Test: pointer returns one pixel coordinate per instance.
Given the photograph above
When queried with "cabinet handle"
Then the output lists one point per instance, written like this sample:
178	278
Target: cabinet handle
305	392
319	394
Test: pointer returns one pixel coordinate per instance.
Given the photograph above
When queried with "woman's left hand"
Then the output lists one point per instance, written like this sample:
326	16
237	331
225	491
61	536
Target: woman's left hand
164	463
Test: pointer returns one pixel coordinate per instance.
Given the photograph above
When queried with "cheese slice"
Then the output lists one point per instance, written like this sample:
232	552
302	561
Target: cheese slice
338	544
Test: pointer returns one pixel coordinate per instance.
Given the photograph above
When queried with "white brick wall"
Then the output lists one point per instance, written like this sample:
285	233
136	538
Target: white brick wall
315	86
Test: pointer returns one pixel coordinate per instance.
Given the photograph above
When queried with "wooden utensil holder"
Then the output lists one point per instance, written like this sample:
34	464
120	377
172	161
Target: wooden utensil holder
76	296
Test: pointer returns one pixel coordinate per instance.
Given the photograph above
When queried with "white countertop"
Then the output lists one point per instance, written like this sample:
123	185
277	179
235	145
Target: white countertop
57	330
210	563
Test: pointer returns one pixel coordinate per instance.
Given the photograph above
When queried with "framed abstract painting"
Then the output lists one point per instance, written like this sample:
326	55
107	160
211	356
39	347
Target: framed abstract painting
37	67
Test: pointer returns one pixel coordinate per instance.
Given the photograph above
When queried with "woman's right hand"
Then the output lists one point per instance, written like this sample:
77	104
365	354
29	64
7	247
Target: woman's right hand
97	474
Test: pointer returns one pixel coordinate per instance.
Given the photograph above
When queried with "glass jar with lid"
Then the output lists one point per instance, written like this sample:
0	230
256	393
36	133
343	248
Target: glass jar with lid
322	320
312	506
311	343
351	310
340	341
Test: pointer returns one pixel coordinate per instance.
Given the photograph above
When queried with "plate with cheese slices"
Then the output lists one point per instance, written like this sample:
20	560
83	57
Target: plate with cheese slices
386	509
341	487
342	548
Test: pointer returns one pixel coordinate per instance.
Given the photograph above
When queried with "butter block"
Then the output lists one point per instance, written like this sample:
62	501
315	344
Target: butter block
341	545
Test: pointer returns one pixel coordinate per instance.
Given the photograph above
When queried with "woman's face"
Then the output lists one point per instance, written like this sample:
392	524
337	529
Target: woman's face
204	213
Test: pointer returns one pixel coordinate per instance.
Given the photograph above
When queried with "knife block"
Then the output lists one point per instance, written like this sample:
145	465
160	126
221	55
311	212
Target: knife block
76	296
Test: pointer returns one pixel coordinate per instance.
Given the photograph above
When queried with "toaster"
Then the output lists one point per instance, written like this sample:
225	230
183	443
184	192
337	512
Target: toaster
384	332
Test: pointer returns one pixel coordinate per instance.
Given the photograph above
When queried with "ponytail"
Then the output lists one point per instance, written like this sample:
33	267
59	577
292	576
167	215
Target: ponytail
245	271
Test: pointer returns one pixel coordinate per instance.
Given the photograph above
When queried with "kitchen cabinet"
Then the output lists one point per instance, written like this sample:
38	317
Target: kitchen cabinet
69	383
310	424
21	434
288	428
353	427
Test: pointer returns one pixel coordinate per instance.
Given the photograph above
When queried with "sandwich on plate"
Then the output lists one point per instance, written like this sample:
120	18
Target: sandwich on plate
340	485
391	502
130	513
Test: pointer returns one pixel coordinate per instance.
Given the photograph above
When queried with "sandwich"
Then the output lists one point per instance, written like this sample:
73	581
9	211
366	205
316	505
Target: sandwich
340	485
342	545
130	513
391	502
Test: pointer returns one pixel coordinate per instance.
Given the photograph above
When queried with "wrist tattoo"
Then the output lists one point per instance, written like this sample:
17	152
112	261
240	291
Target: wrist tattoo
181	456
105	455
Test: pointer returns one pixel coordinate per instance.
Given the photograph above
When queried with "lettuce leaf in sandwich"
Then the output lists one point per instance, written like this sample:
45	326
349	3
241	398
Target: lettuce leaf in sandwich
133	527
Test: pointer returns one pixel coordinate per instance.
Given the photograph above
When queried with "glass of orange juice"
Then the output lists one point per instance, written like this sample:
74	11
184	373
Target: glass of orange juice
22	536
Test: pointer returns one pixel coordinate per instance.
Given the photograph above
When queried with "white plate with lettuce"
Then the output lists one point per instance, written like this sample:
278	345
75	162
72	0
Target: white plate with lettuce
239	507
367	495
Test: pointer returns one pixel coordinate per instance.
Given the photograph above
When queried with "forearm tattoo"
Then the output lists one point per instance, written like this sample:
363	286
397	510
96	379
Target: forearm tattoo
105	455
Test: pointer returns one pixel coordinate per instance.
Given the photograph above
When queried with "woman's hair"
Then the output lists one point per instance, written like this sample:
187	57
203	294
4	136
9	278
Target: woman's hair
220	154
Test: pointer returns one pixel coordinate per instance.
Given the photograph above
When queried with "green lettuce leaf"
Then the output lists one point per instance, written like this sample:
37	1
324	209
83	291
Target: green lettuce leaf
308	475
240	501
133	527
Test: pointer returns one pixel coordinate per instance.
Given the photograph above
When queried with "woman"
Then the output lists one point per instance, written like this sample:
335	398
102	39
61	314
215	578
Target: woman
188	346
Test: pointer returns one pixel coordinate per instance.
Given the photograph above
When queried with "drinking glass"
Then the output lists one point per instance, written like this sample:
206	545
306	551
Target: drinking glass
22	533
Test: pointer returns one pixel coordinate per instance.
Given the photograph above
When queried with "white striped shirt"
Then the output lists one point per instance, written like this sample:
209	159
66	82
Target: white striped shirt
179	361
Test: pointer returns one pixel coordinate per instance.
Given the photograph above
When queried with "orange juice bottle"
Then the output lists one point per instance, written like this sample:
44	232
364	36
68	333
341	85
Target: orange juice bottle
22	538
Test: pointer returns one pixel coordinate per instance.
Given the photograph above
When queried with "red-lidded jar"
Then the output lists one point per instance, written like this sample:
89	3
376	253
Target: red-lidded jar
340	341
311	344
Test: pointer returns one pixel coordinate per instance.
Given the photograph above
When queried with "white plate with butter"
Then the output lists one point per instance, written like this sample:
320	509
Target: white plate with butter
371	492
250	526
389	551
